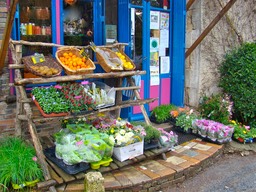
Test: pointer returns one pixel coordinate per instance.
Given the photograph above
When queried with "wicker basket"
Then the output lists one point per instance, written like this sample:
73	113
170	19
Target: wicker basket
129	60
76	52
102	61
50	62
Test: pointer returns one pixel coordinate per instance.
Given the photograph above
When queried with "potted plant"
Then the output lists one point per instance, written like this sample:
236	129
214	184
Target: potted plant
161	113
184	122
168	139
214	131
243	133
151	139
18	164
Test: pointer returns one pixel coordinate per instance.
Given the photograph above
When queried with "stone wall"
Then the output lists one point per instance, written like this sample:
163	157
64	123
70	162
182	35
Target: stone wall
238	25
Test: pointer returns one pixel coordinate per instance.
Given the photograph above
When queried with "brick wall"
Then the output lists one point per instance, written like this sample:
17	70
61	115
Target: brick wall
7	110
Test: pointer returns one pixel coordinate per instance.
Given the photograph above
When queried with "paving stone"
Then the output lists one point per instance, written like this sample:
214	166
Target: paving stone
147	172
175	160
191	159
135	176
201	157
186	164
201	147
190	153
170	165
122	179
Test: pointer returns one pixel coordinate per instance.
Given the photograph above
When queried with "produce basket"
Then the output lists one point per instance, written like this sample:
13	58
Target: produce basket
108	60
89	63
127	59
54	68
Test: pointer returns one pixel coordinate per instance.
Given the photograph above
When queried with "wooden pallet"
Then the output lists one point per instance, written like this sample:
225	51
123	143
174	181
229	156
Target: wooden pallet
62	177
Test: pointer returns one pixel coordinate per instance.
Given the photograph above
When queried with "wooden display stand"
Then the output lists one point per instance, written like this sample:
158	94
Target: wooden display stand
24	113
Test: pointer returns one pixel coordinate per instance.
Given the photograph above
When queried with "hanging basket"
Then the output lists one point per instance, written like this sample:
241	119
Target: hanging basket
74	51
49	62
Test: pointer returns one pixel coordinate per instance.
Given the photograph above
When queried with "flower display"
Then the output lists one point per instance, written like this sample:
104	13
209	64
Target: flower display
121	131
78	99
243	133
168	139
213	130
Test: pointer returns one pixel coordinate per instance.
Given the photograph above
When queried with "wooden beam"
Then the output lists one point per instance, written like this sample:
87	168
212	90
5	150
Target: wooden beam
190	2
210	27
7	34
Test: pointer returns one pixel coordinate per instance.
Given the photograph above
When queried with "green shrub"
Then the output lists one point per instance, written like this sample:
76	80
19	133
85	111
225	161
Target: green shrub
238	79
216	108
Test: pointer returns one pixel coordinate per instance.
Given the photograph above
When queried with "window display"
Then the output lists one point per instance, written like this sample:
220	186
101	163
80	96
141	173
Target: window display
35	24
78	25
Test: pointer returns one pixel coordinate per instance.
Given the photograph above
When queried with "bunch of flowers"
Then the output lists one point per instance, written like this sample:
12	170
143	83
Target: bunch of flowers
77	98
122	132
213	130
168	139
243	133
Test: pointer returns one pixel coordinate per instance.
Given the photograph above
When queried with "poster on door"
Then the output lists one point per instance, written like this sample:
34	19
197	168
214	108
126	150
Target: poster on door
154	19
154	75
164	20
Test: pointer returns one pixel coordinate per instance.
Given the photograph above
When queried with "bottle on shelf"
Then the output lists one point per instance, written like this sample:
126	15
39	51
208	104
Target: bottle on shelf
23	29
30	29
43	30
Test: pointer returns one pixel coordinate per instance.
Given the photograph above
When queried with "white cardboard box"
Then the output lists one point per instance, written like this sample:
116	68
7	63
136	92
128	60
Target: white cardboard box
129	151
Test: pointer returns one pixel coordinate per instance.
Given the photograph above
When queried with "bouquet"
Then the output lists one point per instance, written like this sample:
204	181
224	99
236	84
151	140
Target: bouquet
168	139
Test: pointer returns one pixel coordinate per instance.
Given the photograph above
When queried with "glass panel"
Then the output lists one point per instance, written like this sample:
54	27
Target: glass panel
136	2
78	22
160	3
111	21
137	39
35	25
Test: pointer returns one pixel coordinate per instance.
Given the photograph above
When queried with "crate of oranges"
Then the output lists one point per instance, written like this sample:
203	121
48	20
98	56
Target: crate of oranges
74	61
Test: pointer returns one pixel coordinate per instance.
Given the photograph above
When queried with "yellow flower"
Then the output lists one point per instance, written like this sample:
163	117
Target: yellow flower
112	130
244	132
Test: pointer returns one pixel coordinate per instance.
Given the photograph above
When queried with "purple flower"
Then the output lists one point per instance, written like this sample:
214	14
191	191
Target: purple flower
84	82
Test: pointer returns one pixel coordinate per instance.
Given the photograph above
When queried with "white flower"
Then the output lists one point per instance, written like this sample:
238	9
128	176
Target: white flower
122	132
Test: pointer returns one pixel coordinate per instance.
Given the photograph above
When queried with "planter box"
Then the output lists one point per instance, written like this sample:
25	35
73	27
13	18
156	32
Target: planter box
129	151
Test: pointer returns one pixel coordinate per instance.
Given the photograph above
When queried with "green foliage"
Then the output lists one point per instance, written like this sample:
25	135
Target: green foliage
16	162
162	112
215	108
185	120
238	79
151	132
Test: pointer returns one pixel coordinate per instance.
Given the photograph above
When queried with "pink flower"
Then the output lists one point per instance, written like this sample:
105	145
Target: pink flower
34	158
78	97
58	87
84	82
78	143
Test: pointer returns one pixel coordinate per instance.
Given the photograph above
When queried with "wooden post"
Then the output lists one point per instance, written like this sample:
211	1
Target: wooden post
189	3
137	95
7	34
210	27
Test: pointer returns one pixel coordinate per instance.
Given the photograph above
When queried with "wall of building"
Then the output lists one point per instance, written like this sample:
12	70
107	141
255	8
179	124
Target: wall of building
238	25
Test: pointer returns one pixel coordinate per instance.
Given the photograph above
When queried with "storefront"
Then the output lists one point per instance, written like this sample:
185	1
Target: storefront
153	29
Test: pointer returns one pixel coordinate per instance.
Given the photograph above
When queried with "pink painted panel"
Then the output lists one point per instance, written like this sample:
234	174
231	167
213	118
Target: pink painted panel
58	21
165	91
154	93
136	109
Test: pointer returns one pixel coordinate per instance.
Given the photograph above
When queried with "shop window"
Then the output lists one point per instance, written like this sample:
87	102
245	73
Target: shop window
78	25
137	40
136	2
160	3
35	25
111	21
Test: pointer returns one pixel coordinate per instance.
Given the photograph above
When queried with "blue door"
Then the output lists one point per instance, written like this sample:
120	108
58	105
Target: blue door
155	32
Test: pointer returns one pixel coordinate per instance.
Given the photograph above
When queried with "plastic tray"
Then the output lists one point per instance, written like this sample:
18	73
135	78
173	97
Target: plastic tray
70	169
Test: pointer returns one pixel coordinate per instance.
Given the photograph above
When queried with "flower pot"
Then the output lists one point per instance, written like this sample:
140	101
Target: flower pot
182	130
151	145
105	162
129	151
25	184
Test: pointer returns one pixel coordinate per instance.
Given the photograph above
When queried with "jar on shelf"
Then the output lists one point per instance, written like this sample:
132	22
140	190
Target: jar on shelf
37	30
29	29
43	30
23	29
48	30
